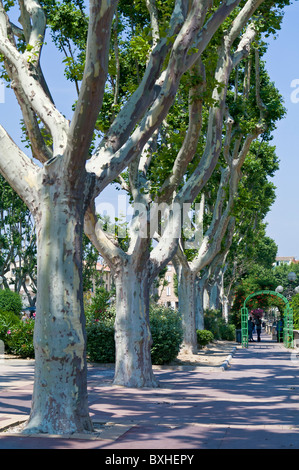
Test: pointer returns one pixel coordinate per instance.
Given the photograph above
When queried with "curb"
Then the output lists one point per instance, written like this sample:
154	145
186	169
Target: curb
226	363
224	366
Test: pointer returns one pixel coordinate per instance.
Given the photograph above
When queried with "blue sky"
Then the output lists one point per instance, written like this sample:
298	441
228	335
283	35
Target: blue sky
282	63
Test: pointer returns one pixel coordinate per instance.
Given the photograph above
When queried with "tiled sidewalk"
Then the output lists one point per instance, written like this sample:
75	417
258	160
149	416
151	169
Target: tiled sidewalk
254	403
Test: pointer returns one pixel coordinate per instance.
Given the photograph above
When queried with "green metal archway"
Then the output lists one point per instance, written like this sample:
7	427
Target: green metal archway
288	319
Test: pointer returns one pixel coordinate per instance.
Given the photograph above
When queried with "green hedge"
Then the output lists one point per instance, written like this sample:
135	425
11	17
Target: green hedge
166	332
100	341
10	301
165	325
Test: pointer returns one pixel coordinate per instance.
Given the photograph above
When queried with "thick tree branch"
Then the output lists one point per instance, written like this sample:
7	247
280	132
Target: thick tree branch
93	83
19	170
134	145
29	78
189	146
152	8
112	254
142	98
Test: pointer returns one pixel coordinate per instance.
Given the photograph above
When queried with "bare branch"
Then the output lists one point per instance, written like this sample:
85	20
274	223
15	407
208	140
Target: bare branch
151	121
112	254
38	28
152	8
188	149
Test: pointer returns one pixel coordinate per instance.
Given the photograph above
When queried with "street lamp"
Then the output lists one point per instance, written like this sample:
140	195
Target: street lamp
289	291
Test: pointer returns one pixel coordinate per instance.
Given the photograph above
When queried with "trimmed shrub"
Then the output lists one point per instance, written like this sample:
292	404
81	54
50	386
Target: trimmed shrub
100	341
227	332
167	334
204	337
10	301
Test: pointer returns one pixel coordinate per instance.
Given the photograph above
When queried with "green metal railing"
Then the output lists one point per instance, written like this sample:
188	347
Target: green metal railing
288	337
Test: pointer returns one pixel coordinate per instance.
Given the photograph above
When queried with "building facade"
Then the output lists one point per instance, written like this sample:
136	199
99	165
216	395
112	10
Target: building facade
166	291
280	260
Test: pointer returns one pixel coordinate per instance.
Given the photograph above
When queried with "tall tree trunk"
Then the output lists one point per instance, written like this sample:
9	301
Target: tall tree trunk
133	340
60	402
186	294
215	295
199	305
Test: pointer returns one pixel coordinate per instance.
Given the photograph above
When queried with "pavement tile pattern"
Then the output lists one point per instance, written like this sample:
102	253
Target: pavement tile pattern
251	402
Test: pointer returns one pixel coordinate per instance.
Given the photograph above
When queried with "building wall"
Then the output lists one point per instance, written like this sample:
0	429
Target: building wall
167	295
279	260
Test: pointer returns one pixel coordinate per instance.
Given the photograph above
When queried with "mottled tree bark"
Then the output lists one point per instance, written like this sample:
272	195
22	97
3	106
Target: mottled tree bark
60	403
133	365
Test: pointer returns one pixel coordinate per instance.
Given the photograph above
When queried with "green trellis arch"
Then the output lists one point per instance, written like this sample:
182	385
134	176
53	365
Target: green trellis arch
288	319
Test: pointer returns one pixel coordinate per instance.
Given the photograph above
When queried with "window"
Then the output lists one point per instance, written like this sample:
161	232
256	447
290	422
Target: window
168	290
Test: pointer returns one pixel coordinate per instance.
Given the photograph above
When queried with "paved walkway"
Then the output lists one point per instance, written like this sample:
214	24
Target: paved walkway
253	404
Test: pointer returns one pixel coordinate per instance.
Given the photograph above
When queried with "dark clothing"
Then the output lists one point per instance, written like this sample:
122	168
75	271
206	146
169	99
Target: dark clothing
258	326
250	329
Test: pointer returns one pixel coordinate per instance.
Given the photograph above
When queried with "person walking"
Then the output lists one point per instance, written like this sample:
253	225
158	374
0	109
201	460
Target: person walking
258	326
250	329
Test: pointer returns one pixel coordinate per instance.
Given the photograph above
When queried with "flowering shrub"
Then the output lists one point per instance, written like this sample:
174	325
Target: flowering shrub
19	339
7	320
257	312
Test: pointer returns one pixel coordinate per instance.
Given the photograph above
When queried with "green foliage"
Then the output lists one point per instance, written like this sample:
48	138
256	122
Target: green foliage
10	301
100	341
19	339
166	330
99	306
7	321
17	238
167	334
204	337
216	324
